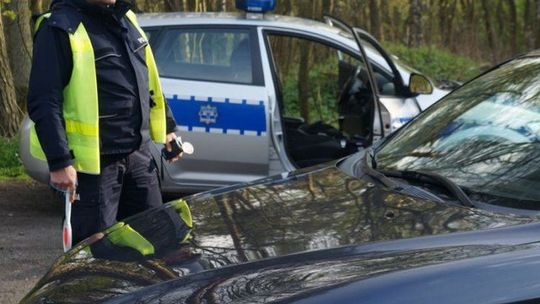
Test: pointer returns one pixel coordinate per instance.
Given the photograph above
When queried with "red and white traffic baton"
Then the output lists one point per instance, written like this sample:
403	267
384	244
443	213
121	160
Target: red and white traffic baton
67	234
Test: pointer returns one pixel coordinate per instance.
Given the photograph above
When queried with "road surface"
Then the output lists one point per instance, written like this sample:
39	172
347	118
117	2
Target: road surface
30	236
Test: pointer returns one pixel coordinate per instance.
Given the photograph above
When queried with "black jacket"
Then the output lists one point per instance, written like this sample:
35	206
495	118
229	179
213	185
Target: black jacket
122	78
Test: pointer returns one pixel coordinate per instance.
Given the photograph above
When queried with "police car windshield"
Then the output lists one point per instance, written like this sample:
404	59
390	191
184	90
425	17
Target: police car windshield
484	136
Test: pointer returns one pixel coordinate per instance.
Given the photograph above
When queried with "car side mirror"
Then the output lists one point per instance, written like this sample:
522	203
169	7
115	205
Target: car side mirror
419	84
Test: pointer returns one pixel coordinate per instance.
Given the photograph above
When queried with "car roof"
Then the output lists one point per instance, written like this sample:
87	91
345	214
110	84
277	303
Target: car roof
183	18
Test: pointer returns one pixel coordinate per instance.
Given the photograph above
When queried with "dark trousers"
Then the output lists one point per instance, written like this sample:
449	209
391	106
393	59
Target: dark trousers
128	184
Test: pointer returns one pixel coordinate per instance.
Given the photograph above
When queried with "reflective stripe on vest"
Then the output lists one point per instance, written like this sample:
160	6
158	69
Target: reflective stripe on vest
80	108
182	208
122	235
158	124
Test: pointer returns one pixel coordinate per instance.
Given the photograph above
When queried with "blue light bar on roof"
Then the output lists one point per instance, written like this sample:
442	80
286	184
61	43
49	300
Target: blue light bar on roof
256	6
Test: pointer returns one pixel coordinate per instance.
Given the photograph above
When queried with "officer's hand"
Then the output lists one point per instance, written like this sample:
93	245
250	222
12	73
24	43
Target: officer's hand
65	179
170	137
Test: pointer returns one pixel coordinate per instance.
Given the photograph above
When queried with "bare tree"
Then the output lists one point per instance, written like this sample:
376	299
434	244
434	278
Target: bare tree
10	113
469	29
36	6
446	15
303	80
489	29
513	26
528	23
173	5
19	39
415	37
395	25
385	15
537	22
375	19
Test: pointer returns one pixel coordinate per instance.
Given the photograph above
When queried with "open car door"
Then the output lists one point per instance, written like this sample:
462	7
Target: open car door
363	77
397	101
328	107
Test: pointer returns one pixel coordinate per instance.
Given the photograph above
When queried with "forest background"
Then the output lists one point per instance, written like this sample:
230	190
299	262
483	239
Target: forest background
445	39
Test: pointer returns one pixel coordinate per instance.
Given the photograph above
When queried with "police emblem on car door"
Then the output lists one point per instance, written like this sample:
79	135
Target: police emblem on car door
208	114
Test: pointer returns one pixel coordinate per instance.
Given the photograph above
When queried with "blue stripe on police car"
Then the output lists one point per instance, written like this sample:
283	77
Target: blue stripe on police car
228	116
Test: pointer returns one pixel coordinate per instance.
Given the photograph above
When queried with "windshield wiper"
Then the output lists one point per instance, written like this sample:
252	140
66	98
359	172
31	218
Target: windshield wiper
435	179
383	176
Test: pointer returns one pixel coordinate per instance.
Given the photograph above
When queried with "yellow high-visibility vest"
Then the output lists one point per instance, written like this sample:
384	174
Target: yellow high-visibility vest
80	108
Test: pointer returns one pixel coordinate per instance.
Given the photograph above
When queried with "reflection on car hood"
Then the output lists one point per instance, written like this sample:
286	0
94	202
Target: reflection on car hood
375	275
314	212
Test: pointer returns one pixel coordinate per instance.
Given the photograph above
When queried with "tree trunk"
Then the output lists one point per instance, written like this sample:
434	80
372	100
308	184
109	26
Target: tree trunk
537	22
328	7
415	37
375	19
447	12
204	7
303	80
528	26
471	29
500	18
449	36
442	16
307	9
513	26
36	6
10	113
489	30
19	38
173	5
45	5
428	31
385	15
396	20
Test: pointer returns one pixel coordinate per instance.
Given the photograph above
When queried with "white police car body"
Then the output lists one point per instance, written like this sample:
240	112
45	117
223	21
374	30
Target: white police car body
224	81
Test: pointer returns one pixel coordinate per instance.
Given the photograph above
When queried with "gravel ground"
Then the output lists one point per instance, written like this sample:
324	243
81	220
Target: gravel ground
30	236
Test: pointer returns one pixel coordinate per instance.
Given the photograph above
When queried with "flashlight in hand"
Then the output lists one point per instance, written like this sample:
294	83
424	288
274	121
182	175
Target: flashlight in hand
178	147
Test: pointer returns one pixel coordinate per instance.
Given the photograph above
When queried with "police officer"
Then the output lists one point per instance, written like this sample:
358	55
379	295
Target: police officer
96	102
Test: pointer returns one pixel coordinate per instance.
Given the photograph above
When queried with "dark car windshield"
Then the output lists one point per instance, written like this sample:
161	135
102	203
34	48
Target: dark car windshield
484	136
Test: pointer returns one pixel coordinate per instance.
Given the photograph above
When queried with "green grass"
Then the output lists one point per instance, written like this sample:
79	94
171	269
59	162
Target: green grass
437	63
10	164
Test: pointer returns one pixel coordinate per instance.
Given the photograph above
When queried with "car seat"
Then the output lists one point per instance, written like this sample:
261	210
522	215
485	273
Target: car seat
309	145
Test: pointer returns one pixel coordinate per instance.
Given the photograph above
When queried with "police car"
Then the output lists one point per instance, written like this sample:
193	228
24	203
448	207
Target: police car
259	94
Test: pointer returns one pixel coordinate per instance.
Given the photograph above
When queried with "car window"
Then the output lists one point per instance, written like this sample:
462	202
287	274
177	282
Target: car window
221	55
309	86
151	35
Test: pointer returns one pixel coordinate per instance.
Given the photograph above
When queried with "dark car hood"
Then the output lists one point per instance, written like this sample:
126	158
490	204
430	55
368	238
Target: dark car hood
473	267
279	216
